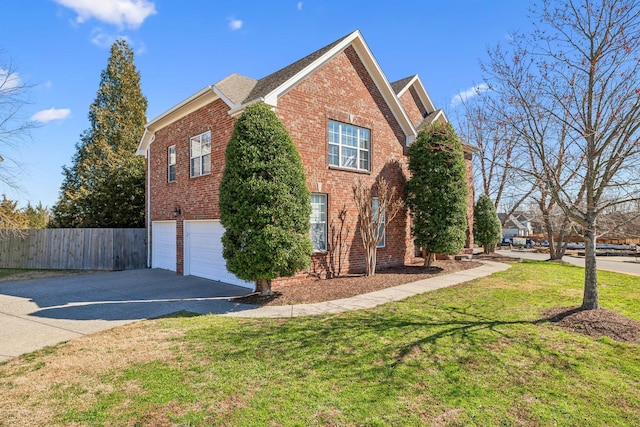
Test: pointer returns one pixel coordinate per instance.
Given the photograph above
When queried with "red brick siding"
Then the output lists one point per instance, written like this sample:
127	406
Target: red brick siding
197	197
342	90
413	106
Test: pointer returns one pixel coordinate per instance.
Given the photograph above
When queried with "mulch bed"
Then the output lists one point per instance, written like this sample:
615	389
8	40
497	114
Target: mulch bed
316	290
595	323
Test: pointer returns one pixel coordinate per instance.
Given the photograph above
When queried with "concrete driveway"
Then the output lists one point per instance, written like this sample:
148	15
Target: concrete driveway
42	312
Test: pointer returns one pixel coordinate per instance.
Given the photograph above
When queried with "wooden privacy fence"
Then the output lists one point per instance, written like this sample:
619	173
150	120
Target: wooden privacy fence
74	249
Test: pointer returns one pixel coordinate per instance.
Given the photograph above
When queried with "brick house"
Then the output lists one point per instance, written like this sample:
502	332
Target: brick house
348	123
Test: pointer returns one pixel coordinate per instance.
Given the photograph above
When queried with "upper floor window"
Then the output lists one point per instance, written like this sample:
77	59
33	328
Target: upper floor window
349	146
200	154
319	222
171	164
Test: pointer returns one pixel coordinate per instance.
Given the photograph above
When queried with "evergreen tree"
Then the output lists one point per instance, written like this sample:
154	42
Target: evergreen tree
487	229
437	191
104	186
11	218
264	202
37	216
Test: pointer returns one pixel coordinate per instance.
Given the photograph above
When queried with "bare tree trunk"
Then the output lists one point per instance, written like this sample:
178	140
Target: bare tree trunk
264	287
428	257
489	249
564	236
590	299
370	268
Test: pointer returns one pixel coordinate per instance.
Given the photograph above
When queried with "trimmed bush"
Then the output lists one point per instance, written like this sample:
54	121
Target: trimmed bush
437	191
487	230
264	201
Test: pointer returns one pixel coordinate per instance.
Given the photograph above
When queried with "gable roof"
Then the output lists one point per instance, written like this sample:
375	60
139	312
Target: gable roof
515	221
433	117
401	86
273	81
239	91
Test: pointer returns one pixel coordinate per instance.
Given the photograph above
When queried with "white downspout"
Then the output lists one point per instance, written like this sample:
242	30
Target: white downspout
149	206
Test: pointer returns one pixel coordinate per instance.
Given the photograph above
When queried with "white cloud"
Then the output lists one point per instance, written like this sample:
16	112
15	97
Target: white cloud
469	93
46	116
123	13
102	39
299	5
9	80
235	24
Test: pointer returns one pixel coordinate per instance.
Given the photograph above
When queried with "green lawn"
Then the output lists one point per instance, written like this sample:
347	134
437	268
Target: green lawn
472	355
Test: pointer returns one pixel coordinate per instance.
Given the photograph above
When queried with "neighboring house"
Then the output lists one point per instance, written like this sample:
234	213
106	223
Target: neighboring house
348	123
515	225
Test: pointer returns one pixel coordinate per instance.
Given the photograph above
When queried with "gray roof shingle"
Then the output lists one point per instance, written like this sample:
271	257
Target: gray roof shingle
242	90
397	86
236	87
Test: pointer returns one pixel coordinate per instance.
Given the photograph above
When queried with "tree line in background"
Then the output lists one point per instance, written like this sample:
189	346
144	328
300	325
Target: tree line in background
29	217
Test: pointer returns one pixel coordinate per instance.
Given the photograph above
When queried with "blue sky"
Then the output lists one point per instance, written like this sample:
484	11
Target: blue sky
61	46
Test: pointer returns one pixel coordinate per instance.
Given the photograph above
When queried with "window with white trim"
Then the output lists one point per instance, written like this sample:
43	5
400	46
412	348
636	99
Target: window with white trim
171	164
349	146
200	148
318	221
381	229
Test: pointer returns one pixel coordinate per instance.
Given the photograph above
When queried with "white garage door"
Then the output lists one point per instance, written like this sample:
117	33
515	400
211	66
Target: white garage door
163	246
203	253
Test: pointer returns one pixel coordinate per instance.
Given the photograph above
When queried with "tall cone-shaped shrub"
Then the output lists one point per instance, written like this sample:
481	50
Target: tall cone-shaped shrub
487	230
264	201
437	191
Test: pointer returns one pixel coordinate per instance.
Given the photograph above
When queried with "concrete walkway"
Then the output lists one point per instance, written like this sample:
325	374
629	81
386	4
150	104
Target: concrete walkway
43	312
376	298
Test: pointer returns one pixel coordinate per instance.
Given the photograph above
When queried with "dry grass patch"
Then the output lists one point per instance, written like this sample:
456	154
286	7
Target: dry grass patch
10	275
76	367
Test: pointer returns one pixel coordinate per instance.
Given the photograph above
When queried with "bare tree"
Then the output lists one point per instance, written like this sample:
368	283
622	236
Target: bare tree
621	222
499	157
578	72
377	207
558	227
15	127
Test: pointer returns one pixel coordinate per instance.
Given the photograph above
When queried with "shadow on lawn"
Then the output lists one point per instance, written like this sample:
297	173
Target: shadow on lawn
465	330
366	343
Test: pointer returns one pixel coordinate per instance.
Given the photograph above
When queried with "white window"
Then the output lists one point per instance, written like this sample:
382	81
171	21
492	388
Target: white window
171	164
349	146
381	230
201	154
319	222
